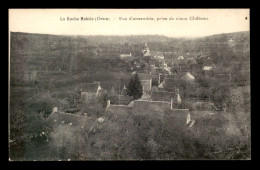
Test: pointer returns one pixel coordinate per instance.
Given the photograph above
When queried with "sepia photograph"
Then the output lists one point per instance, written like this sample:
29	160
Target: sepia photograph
129	84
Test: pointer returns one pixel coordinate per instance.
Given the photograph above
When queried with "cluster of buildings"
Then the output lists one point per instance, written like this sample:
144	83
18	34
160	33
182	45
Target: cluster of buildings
162	75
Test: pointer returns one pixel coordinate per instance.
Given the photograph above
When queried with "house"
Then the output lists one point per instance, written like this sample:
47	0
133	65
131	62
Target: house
89	91
170	84
173	97
89	97
162	96
154	54
89	87
90	100
161	110
111	86
122	56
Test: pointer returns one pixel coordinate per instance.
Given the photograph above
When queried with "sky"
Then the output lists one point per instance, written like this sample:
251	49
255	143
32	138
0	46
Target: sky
51	21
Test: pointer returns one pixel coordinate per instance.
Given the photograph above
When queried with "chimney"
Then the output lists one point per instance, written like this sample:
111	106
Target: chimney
108	103
55	109
171	102
159	79
188	119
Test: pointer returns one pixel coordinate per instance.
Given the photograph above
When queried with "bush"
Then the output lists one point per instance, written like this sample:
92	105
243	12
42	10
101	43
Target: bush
66	142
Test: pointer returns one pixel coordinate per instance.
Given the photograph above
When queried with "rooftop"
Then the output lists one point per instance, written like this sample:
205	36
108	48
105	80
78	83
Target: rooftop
143	76
162	96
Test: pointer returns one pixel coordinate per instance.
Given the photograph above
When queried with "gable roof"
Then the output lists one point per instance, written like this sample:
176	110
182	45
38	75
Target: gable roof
207	68
188	77
146	97
172	82
154	88
143	76
153	109
162	85
162	96
146	53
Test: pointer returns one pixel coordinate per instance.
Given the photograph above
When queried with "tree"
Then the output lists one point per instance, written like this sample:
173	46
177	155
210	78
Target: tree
135	87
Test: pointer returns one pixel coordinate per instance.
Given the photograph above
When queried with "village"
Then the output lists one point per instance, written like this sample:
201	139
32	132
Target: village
131	98
129	84
168	82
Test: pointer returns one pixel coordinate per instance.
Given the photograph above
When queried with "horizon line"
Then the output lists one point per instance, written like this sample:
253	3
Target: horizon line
117	35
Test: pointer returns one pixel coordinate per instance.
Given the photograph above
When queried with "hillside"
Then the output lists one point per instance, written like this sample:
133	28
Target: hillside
46	69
